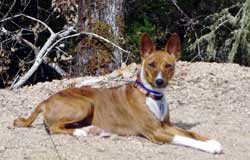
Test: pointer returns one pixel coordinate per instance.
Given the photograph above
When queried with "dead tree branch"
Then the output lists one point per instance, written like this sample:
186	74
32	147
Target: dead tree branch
52	41
88	34
55	66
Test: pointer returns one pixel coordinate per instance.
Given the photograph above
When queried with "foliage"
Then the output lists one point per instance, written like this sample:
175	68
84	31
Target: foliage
227	35
68	9
134	33
210	30
145	16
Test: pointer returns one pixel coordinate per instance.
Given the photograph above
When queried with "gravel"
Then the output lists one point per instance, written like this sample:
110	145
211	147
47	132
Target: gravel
209	98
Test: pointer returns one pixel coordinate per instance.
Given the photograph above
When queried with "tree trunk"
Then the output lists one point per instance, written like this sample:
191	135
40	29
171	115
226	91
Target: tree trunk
106	18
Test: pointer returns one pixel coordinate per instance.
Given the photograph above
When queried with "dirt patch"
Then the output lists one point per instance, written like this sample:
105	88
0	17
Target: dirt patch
208	98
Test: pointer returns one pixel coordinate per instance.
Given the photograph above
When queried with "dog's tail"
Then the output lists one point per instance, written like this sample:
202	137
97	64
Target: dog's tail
22	122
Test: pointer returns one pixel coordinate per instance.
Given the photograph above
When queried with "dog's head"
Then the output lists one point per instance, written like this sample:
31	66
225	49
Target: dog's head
158	65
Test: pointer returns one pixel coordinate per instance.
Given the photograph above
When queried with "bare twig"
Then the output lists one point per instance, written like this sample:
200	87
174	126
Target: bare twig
31	45
26	5
29	17
180	10
89	34
59	49
1	5
57	68
8	12
191	25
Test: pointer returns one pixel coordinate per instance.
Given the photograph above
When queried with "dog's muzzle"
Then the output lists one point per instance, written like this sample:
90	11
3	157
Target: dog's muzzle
160	83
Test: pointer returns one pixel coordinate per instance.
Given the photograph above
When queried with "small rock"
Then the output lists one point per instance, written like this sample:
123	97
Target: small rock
100	149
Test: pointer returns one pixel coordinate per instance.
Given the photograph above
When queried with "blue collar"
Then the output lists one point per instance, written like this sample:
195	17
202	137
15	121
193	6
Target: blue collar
148	92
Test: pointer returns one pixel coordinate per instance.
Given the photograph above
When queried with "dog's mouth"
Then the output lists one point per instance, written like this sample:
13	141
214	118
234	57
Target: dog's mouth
162	86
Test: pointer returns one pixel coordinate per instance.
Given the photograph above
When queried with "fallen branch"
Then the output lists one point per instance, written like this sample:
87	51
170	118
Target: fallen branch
53	40
36	64
55	66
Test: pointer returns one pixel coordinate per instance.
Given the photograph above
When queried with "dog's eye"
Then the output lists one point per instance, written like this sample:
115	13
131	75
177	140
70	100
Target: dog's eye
152	64
168	65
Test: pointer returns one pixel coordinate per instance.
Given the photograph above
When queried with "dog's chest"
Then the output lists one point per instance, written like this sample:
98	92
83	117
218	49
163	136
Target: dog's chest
158	107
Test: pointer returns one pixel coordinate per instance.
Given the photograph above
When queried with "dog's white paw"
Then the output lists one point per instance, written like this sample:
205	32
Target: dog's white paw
213	146
79	133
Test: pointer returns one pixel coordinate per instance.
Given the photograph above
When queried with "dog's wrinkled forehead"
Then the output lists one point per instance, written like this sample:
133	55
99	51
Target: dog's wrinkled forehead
161	56
159	59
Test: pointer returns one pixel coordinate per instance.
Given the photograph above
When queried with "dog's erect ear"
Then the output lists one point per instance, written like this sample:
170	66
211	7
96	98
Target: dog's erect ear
173	45
147	45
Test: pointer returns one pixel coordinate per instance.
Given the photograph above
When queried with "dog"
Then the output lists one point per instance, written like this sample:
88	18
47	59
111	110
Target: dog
138	108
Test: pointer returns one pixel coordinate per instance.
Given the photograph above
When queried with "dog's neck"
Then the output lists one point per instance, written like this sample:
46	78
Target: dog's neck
159	107
148	92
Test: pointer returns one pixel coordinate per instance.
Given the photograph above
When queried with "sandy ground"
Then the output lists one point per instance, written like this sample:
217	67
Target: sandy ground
208	98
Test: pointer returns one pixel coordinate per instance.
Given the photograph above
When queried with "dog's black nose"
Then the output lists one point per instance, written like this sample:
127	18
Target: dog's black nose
159	82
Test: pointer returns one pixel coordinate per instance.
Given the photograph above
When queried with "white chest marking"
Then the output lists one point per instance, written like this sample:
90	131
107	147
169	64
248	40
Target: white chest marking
158	107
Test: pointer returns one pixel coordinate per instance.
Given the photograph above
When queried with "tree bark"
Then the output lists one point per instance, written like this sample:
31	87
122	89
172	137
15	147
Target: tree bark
106	18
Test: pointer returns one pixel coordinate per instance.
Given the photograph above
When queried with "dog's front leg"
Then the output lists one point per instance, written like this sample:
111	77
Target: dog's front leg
182	132
158	136
194	140
164	136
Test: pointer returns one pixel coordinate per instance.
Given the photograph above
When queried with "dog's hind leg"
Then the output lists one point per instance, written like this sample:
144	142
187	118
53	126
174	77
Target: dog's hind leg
66	119
60	128
91	130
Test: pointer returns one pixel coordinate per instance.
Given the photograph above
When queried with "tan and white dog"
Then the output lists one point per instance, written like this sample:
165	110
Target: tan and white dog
139	108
